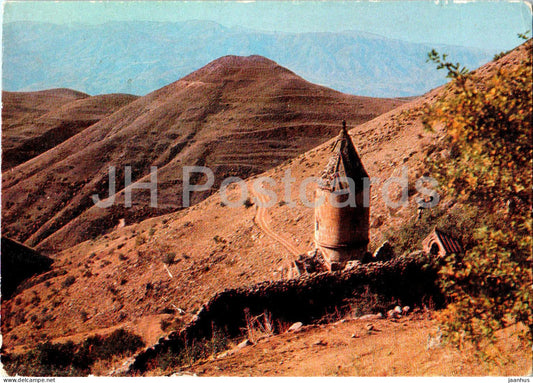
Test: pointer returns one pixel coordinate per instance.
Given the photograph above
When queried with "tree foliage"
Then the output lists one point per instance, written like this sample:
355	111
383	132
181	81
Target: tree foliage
488	127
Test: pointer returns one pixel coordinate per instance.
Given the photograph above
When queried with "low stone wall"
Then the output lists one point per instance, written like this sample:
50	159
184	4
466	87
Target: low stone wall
373	287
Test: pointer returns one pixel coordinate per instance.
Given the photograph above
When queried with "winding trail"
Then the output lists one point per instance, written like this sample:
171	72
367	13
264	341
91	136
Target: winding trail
260	220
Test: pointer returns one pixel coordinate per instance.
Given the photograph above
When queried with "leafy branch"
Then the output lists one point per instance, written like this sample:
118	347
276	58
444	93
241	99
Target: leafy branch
523	36
455	71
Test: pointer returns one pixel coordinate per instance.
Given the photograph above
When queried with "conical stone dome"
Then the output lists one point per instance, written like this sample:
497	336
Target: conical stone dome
344	162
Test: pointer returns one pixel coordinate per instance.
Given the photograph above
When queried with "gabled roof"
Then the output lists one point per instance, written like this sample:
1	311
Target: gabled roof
448	243
344	162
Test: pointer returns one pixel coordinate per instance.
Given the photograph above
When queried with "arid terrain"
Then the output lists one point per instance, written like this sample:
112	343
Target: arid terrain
405	347
33	122
238	116
150	270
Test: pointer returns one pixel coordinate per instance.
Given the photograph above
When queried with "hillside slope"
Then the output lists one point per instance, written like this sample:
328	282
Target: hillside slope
237	115
346	348
33	122
121	277
142	275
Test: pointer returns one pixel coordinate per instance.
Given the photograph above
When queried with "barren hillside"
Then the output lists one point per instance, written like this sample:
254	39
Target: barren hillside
33	122
121	278
404	347
152	277
237	115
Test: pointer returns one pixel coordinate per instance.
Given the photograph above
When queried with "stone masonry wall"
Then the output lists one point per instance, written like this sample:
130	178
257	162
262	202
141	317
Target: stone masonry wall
408	280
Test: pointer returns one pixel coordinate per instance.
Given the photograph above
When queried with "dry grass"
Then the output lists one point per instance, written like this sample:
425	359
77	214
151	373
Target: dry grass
259	327
394	348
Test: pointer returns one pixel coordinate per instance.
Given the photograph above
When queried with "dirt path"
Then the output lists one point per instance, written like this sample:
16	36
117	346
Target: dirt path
261	221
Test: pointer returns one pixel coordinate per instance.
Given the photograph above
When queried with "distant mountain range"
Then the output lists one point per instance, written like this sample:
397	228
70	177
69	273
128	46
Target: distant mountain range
139	57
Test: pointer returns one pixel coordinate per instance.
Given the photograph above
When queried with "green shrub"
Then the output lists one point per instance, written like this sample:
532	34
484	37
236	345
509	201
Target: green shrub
489	126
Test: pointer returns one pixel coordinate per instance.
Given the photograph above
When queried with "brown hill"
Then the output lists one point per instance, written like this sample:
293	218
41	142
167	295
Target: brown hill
21	106
238	115
33	122
139	275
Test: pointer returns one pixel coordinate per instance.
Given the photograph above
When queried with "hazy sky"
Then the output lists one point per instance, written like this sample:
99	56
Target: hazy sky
477	24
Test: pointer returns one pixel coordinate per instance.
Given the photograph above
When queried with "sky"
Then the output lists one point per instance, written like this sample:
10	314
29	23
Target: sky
482	24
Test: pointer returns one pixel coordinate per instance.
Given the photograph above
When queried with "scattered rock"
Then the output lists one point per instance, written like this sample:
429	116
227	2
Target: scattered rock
295	327
243	344
306	285
355	335
392	314
320	342
398	309
351	265
369	327
417	253
405	309
223	355
378	221
371	316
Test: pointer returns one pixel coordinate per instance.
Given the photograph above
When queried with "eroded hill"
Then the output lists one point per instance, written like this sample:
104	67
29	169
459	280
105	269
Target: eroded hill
238	115
34	122
153	276
137	274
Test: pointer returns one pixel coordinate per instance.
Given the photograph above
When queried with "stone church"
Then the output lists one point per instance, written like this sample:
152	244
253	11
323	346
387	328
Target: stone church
341	227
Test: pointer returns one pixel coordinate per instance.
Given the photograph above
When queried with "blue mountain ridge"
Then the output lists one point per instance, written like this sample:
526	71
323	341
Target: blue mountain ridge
139	57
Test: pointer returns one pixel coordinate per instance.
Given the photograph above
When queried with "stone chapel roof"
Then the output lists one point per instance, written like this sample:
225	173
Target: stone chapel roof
344	162
449	244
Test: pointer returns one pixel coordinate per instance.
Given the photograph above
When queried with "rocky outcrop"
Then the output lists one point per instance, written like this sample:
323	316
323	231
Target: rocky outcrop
373	287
